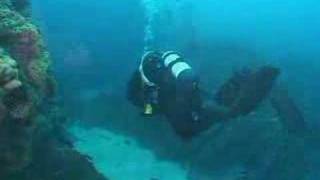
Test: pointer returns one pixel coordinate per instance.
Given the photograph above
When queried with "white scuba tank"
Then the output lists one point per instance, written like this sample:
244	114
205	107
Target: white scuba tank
175	62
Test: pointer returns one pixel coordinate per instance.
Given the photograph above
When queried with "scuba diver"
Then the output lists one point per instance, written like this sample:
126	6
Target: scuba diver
166	84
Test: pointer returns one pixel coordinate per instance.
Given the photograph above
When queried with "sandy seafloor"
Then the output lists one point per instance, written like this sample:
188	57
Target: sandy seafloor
120	158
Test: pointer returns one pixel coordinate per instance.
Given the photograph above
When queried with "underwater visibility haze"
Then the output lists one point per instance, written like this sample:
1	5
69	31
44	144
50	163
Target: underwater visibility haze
159	90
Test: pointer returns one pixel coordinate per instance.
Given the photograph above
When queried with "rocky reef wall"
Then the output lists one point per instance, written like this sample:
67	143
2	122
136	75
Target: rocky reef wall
32	136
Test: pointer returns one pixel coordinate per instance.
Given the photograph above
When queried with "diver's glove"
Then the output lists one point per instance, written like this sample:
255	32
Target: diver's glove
148	110
151	100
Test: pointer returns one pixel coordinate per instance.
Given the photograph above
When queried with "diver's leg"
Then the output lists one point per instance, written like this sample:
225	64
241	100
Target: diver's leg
290	115
243	95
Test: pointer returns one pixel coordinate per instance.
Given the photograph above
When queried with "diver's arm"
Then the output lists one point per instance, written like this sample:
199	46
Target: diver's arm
134	89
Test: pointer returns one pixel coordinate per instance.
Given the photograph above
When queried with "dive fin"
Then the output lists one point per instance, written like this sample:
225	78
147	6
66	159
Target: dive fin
245	90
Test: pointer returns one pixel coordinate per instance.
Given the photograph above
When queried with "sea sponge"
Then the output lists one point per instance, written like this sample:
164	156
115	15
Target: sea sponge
9	74
12	85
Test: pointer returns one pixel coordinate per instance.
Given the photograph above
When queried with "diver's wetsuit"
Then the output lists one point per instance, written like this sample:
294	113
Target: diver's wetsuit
178	94
183	96
169	85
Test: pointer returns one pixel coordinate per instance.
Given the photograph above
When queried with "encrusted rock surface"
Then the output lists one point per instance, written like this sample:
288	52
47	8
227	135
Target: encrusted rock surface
33	142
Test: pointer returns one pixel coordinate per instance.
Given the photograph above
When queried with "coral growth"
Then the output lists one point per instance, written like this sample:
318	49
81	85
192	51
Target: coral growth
25	47
22	6
24	43
26	114
9	79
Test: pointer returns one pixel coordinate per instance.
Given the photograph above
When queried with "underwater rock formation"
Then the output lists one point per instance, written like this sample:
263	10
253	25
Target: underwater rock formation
9	79
27	108
22	6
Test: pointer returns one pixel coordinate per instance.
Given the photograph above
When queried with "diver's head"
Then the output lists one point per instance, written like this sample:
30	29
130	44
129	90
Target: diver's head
152	65
153	56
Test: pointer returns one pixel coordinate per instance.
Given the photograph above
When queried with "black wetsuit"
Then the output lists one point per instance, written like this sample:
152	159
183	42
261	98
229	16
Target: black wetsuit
179	97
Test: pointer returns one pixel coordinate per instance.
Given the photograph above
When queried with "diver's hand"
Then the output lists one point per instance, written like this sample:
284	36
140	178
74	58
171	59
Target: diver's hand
146	115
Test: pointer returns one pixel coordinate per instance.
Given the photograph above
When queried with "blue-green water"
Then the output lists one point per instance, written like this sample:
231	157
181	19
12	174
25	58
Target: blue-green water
97	44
